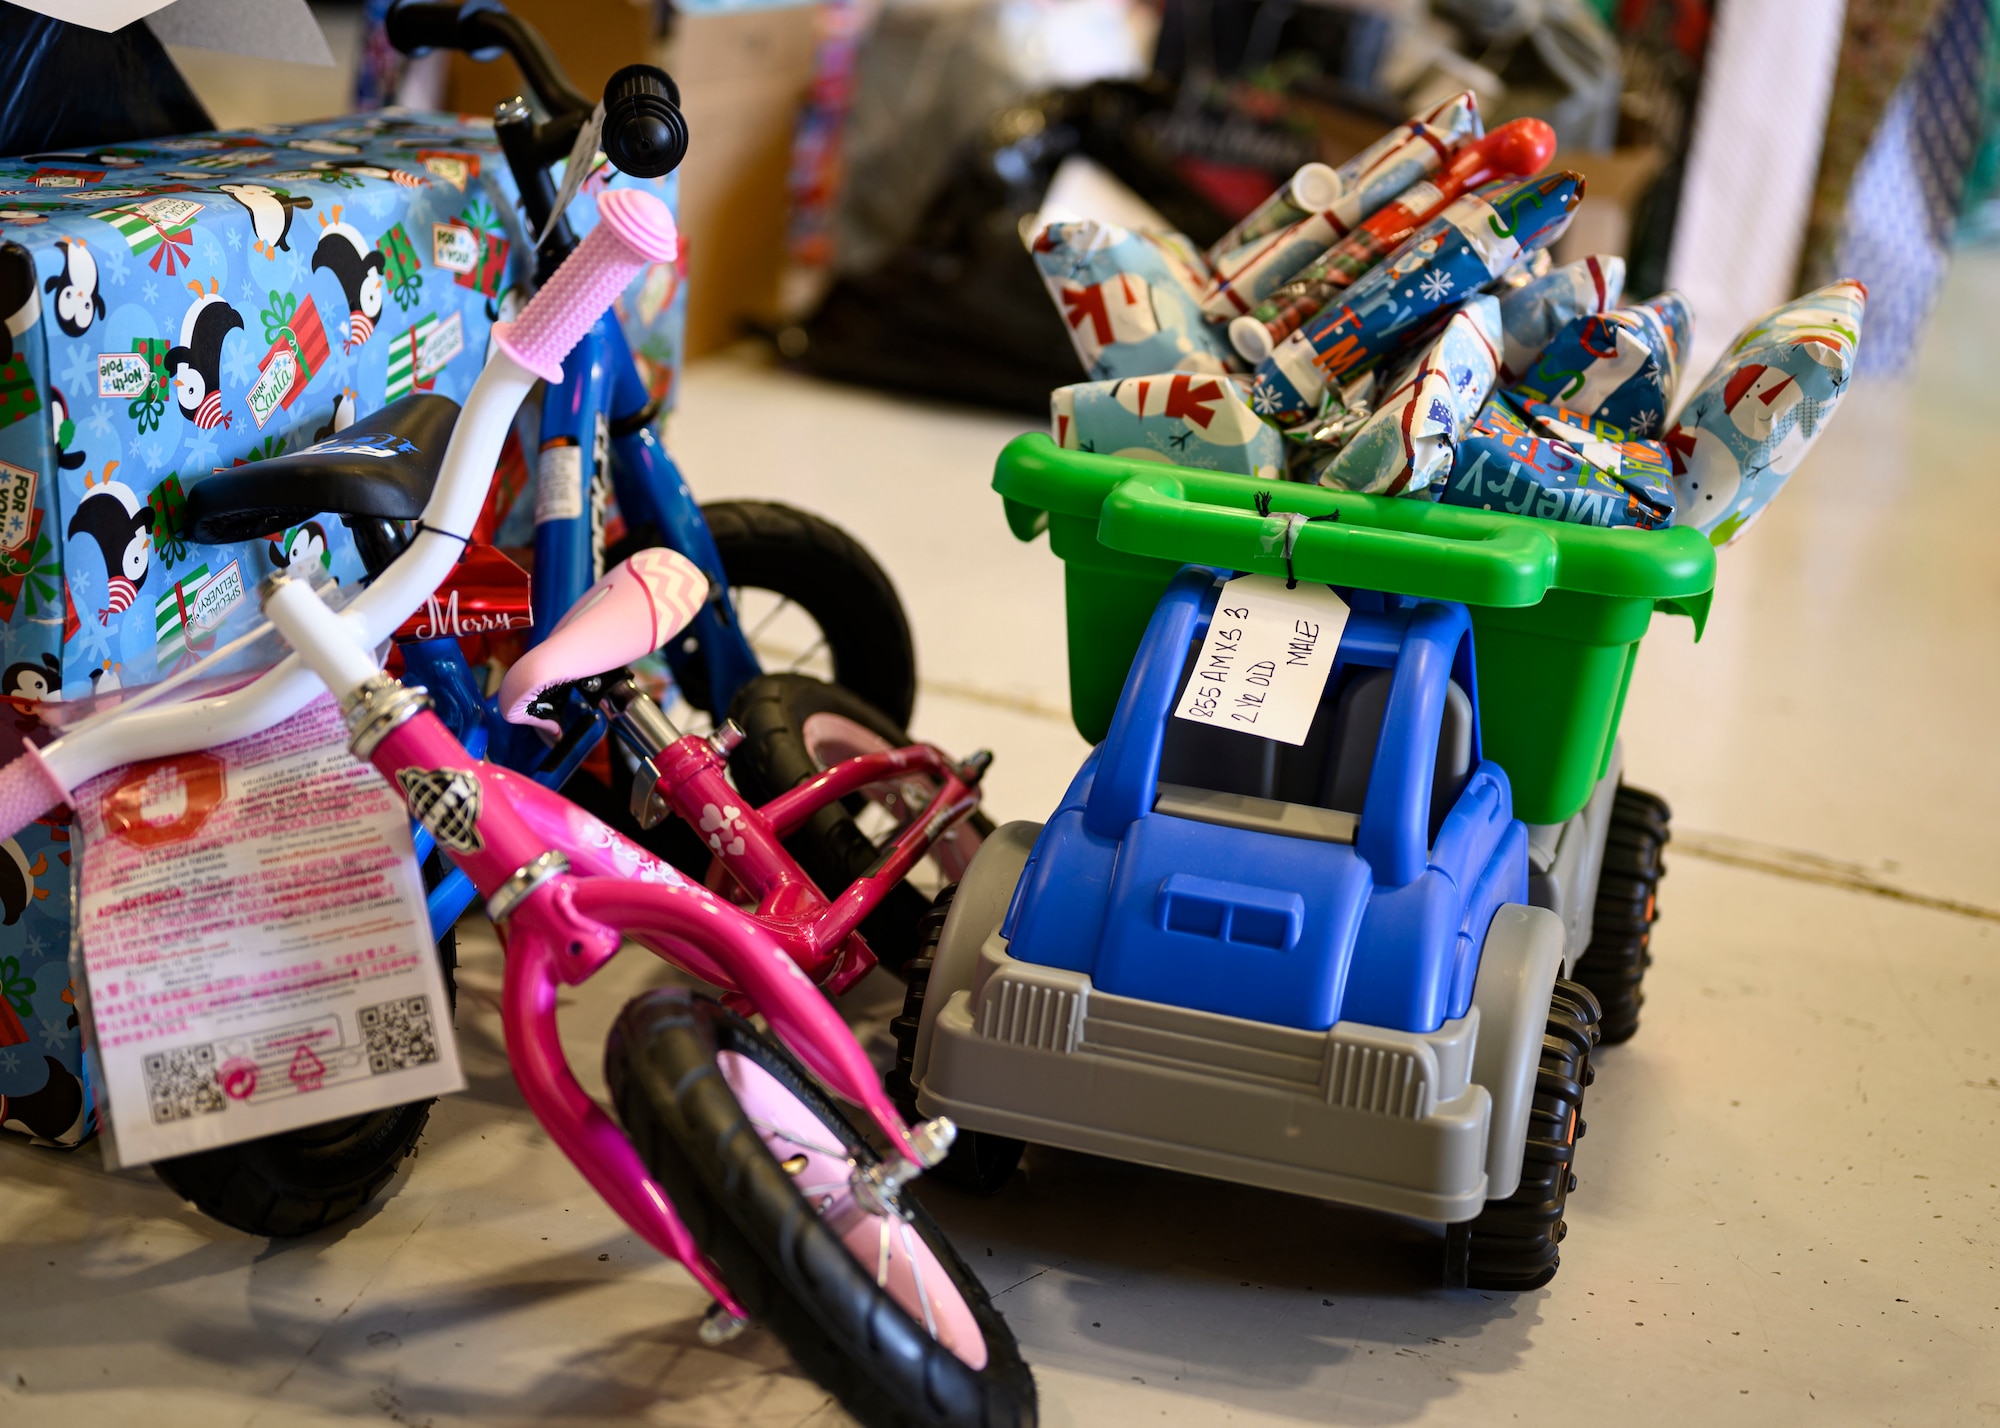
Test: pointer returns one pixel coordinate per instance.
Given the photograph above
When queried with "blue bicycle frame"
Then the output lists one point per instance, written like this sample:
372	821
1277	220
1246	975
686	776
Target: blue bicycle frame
601	392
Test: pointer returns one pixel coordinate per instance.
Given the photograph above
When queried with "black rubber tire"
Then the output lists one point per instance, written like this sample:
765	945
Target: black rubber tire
979	1161
1515	1243
1614	965
304	1180
823	569
831	846
776	1254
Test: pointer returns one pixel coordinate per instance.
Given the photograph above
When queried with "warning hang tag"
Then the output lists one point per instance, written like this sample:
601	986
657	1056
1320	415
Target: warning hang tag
581	156
255	945
1265	662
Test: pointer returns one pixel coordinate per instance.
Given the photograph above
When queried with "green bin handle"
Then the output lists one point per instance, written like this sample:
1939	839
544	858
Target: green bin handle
1175	514
1481	557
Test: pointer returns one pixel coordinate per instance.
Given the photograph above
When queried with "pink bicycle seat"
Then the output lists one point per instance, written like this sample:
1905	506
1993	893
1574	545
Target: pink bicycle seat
631	612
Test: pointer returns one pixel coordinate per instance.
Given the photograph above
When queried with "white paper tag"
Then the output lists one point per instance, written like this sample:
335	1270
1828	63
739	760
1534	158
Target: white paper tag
255	944
559	483
1265	662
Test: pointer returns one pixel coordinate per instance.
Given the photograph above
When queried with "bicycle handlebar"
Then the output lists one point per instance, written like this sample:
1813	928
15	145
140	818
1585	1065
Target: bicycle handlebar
483	28
645	134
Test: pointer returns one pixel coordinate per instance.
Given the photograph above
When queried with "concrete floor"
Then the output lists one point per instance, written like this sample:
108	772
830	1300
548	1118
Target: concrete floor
1787	1195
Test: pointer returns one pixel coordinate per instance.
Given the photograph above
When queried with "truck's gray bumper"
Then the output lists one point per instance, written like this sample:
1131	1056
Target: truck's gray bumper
1382	1119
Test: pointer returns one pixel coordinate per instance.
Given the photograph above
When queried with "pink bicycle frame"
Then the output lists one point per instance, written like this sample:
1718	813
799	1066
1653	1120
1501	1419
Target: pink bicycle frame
819	932
562	889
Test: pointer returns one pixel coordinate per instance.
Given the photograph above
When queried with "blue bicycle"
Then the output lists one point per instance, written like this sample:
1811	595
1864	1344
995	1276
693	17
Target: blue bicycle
786	586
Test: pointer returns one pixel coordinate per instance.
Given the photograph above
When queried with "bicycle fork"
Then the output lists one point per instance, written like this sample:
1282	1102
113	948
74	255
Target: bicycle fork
687	775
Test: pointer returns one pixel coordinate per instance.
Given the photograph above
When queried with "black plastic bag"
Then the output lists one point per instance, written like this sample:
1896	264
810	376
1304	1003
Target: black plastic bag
68	87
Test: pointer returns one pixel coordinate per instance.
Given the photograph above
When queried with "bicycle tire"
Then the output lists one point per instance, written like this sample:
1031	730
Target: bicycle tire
782	1259
293	1183
776	712
826	572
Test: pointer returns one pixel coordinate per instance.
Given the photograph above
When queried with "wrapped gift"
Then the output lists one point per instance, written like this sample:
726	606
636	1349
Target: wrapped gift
1130	300
1409	294
1189	419
1542	461
1413	434
1533	311
1621	364
1746	428
215	300
1372	179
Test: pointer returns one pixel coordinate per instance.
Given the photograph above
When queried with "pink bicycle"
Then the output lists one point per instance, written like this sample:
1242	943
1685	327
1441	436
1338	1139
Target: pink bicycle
731	1158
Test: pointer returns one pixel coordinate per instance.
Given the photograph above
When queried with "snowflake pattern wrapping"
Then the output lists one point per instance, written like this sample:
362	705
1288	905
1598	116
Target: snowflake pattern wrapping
1470	243
1621	365
1410	440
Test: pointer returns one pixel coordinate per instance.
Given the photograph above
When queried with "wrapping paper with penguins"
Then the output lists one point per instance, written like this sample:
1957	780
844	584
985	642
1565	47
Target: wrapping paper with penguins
183	305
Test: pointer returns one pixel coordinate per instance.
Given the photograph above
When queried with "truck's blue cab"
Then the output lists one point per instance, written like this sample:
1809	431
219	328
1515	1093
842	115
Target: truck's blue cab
1351	878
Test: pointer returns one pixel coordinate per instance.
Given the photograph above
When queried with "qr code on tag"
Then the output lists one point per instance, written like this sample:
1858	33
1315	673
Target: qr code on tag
181	1083
399	1034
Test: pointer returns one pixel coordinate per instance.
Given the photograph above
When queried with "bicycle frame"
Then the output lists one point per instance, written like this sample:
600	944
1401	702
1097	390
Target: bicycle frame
819	933
563	888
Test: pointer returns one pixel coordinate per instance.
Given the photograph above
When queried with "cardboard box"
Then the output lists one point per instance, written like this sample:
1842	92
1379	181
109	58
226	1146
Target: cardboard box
1614	183
744	78
175	307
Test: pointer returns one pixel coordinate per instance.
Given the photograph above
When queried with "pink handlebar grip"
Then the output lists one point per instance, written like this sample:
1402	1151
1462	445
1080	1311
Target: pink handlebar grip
633	229
28	789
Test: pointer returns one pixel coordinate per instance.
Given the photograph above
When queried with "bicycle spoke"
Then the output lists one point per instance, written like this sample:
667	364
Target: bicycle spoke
917	1273
813	649
765	623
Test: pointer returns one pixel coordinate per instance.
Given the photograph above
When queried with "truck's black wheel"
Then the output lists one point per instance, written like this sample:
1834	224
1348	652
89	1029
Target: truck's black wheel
794	727
1621	936
1515	1243
304	1180
978	1161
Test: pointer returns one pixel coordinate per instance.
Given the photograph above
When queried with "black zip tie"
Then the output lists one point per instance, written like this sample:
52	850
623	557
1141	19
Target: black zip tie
464	540
1293	520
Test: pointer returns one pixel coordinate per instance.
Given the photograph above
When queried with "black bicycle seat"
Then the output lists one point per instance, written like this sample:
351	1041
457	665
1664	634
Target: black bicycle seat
381	467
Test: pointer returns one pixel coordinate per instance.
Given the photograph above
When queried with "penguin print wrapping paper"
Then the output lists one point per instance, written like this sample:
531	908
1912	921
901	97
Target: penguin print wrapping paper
182	305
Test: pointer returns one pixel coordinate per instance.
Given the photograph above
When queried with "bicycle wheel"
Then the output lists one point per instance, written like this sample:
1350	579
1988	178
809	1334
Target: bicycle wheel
794	727
877	1308
810	599
304	1180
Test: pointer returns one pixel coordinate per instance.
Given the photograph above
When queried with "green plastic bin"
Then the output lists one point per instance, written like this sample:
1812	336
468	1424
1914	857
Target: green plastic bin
1558	609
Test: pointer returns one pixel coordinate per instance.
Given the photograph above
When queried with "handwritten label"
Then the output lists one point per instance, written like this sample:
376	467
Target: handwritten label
254	941
439	345
17	504
454	247
1264	664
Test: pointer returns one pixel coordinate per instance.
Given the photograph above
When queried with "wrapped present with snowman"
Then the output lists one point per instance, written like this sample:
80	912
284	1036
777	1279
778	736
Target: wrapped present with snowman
1395	326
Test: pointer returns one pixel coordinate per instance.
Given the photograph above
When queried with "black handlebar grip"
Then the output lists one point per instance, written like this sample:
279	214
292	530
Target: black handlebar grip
645	133
415	26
